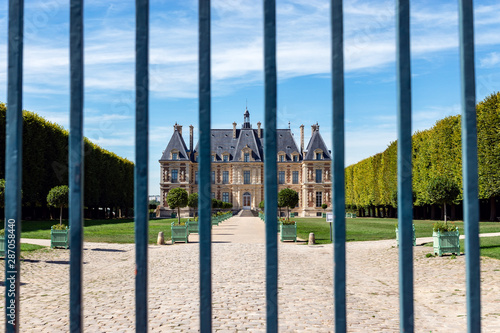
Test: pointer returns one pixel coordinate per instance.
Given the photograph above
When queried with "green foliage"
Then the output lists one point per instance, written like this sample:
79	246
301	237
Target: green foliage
261	205
430	255
109	179
324	206
58	197
436	153
444	226
177	198
59	227
288	198
442	190
193	200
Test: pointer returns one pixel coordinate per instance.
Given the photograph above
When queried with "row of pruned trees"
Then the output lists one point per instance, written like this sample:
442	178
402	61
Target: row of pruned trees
109	179
371	184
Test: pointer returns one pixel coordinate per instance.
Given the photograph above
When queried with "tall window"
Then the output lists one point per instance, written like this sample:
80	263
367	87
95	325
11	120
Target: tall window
225	177
246	157
225	196
246	177
196	177
295	158
318	156
213	158
213	177
282	158
175	173
295	177
225	158
319	176
281	177
174	156
319	199
213	195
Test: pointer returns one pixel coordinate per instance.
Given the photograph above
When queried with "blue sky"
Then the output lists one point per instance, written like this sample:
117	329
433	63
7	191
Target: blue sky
237	62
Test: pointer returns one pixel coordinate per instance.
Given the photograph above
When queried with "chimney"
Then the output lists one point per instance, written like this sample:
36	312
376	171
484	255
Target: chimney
259	131
301	139
178	128
234	130
191	139
313	129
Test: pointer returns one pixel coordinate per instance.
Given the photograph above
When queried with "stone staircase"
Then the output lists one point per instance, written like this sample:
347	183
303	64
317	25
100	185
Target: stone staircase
249	213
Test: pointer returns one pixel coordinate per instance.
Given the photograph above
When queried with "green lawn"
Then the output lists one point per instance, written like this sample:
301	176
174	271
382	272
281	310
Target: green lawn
364	229
106	231
490	246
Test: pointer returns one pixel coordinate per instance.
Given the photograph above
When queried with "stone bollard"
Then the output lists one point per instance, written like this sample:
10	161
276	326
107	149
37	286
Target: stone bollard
312	239
161	240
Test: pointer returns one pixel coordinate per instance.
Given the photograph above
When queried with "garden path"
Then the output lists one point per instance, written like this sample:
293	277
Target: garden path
305	287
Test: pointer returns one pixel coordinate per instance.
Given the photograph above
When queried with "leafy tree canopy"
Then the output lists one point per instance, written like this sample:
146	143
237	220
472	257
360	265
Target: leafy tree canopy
193	200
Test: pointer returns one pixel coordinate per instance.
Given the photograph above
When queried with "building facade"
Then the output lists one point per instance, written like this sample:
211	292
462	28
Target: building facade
237	170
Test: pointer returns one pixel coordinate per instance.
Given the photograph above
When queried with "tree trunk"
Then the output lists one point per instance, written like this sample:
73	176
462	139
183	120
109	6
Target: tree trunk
179	215
60	216
493	209
445	217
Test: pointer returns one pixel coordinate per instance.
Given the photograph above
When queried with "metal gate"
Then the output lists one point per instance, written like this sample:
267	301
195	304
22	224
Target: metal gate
14	162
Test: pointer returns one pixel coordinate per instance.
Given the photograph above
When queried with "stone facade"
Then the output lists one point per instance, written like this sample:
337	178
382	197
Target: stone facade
238	167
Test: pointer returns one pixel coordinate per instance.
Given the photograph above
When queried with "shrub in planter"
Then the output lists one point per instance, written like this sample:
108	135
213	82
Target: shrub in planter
446	238
288	230
59	236
180	232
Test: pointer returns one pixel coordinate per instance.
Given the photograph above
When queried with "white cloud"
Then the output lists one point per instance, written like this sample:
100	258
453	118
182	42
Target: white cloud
491	60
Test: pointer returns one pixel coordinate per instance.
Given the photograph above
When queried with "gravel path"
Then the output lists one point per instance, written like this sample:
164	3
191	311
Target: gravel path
305	287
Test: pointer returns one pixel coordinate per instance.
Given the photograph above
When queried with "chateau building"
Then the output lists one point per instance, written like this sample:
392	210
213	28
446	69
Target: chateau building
238	167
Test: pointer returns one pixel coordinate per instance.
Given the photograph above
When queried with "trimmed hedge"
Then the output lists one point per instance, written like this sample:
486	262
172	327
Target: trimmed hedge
109	179
371	184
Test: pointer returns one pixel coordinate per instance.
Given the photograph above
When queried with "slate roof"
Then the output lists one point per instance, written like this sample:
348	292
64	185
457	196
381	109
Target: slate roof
317	142
176	143
222	142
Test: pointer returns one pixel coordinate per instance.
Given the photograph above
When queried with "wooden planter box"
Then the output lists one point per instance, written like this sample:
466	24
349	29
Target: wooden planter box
180	233
2	245
288	232
192	227
59	238
414	238
446	242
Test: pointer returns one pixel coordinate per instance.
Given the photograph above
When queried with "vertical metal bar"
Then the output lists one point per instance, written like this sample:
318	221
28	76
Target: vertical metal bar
76	165
204	187
470	168
338	183
405	201
270	168
141	164
13	163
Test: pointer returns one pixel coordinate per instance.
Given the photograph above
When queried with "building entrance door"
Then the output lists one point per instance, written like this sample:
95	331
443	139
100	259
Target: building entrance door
247	199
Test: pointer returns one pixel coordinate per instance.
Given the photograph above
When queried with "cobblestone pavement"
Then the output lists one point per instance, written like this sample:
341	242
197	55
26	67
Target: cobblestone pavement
305	287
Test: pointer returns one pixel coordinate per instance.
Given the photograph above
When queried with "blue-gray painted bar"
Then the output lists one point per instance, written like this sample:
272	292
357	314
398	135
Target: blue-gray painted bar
405	202
76	165
13	163
141	164
204	187
338	184
470	168
270	168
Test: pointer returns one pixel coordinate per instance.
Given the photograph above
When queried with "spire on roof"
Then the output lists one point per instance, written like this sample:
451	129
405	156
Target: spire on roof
246	119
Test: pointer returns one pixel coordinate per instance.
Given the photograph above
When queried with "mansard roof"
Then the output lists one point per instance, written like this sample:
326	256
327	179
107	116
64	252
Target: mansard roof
316	142
222	142
176	143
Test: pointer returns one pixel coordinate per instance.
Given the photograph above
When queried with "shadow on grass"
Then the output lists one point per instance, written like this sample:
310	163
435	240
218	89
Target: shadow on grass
47	224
